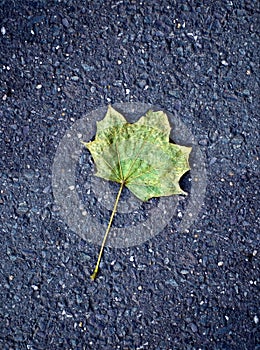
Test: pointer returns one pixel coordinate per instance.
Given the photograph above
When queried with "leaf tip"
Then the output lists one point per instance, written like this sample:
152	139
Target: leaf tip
86	144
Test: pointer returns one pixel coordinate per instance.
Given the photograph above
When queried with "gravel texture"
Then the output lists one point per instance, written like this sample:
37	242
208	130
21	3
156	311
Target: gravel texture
193	290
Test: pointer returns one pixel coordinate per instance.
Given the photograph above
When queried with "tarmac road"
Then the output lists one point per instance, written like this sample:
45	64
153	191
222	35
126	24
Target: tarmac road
193	290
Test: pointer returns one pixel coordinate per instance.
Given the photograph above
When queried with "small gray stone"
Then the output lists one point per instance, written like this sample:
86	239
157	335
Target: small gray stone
29	174
174	93
22	209
193	327
180	51
141	83
65	22
86	67
171	282
203	142
237	141
117	267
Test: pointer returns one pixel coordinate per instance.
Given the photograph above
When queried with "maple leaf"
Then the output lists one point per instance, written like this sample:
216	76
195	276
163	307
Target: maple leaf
138	156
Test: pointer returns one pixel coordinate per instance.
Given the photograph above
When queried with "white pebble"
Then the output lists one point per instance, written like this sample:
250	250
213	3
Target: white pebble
3	30
256	319
39	86
166	261
220	263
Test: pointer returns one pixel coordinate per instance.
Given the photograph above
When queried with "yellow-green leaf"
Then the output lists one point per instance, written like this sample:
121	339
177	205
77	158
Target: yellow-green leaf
138	156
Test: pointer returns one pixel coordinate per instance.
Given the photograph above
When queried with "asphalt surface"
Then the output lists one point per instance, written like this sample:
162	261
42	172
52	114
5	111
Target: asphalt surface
194	290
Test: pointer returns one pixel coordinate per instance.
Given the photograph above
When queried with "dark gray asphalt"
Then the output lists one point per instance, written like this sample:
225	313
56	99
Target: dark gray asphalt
194	290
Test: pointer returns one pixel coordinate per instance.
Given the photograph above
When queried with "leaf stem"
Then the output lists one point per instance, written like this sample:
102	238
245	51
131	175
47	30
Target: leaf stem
94	274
